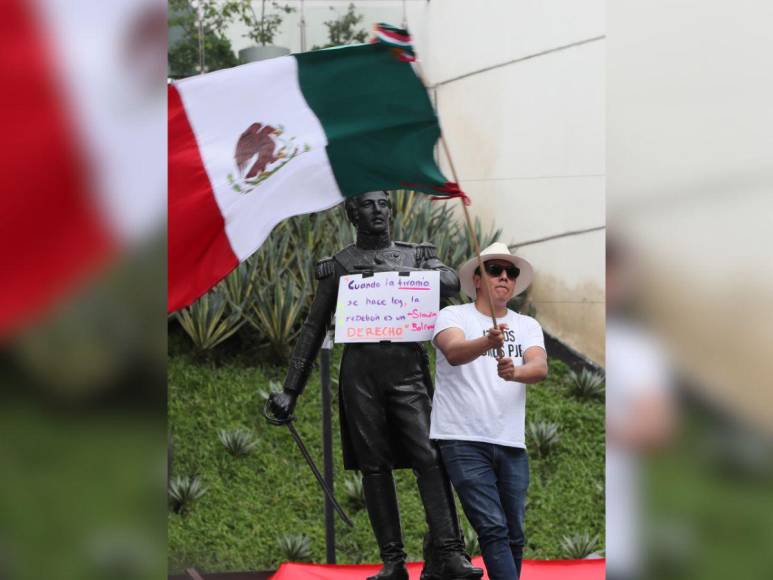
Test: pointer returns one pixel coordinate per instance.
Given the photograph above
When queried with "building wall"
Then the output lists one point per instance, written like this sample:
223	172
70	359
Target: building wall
525	125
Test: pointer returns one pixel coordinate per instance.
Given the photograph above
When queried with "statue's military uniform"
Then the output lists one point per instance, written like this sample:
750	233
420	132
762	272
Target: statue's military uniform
385	388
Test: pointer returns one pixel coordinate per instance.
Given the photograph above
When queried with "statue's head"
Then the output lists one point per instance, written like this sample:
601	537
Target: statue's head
370	212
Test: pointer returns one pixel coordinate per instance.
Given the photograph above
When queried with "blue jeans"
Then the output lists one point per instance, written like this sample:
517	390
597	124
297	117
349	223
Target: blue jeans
491	481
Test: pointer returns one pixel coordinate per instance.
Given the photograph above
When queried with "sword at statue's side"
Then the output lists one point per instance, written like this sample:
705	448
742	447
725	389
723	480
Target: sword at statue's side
273	420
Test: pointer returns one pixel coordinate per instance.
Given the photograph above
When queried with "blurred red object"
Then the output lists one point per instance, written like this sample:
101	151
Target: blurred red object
592	569
51	233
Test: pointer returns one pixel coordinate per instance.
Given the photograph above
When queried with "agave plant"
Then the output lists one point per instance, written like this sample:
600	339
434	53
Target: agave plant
238	442
471	543
579	546
306	235
464	248
354	492
209	321
586	384
184	491
544	437
412	216
295	547
239	285
274	258
276	314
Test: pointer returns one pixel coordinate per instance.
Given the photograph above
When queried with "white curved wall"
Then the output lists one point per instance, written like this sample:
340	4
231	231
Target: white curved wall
527	138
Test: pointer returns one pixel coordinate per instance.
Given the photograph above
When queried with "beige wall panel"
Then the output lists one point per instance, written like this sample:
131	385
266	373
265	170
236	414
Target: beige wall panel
455	37
530	209
568	290
539	118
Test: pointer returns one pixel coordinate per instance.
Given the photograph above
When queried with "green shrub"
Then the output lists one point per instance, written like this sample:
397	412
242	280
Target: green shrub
276	313
354	492
239	286
579	546
295	547
471	543
586	384
209	320
238	442
251	502
183	492
544	437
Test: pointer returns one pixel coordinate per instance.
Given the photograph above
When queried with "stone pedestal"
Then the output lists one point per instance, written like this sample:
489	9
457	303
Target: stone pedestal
256	53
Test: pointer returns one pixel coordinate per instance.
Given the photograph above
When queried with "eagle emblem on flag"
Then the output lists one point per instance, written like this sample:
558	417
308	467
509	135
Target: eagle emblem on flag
261	151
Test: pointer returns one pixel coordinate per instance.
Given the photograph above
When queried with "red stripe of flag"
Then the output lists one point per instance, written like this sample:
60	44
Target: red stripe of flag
394	35
51	234
199	253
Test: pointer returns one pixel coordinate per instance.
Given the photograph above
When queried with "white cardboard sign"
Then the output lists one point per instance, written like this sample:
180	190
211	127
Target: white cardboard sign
387	307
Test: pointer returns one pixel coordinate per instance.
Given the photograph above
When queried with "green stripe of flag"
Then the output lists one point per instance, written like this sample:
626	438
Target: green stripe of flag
377	117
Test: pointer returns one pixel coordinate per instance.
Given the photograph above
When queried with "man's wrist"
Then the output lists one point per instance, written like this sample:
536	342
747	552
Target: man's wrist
487	345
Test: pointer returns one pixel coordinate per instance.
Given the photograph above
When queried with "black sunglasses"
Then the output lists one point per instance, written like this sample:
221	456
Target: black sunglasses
496	269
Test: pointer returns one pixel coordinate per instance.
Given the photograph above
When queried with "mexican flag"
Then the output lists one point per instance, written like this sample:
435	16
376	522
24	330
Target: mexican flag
256	144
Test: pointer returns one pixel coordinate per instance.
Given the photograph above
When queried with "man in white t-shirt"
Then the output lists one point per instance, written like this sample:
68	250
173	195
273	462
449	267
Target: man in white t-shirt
641	413
479	406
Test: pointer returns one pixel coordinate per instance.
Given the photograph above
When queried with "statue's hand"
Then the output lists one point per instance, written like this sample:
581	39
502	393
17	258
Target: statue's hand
282	404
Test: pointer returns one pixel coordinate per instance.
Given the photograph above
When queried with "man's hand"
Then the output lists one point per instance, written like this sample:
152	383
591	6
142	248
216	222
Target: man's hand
496	336
533	370
506	369
459	351
282	405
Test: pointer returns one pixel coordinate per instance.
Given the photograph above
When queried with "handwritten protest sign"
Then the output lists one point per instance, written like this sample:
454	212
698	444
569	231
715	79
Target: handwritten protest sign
387	306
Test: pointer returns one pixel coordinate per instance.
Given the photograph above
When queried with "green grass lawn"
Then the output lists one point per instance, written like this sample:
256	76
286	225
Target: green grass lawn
252	501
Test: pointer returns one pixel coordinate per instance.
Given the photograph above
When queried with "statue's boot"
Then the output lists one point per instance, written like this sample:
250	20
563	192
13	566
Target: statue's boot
384	513
447	559
431	567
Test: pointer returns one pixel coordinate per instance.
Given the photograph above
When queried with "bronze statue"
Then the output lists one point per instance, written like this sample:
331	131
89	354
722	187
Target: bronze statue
385	398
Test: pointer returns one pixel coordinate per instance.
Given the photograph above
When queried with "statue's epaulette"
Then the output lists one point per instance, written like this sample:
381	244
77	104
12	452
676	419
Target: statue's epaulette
426	251
325	268
345	250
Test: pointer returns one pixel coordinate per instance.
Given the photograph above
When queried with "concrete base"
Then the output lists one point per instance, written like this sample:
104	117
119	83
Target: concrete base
256	53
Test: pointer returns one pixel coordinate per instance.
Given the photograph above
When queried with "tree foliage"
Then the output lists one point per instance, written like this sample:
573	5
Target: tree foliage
262	28
343	30
213	16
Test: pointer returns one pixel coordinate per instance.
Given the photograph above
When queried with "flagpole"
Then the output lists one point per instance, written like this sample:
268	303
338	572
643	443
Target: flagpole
303	29
476	244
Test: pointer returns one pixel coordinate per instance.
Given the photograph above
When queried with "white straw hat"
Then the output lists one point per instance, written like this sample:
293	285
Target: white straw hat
496	251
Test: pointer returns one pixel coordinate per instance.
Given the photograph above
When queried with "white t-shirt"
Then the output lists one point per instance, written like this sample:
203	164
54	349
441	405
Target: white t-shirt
471	402
636	369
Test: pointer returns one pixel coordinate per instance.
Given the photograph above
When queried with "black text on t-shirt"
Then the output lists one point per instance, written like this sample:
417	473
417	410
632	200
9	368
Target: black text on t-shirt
511	349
